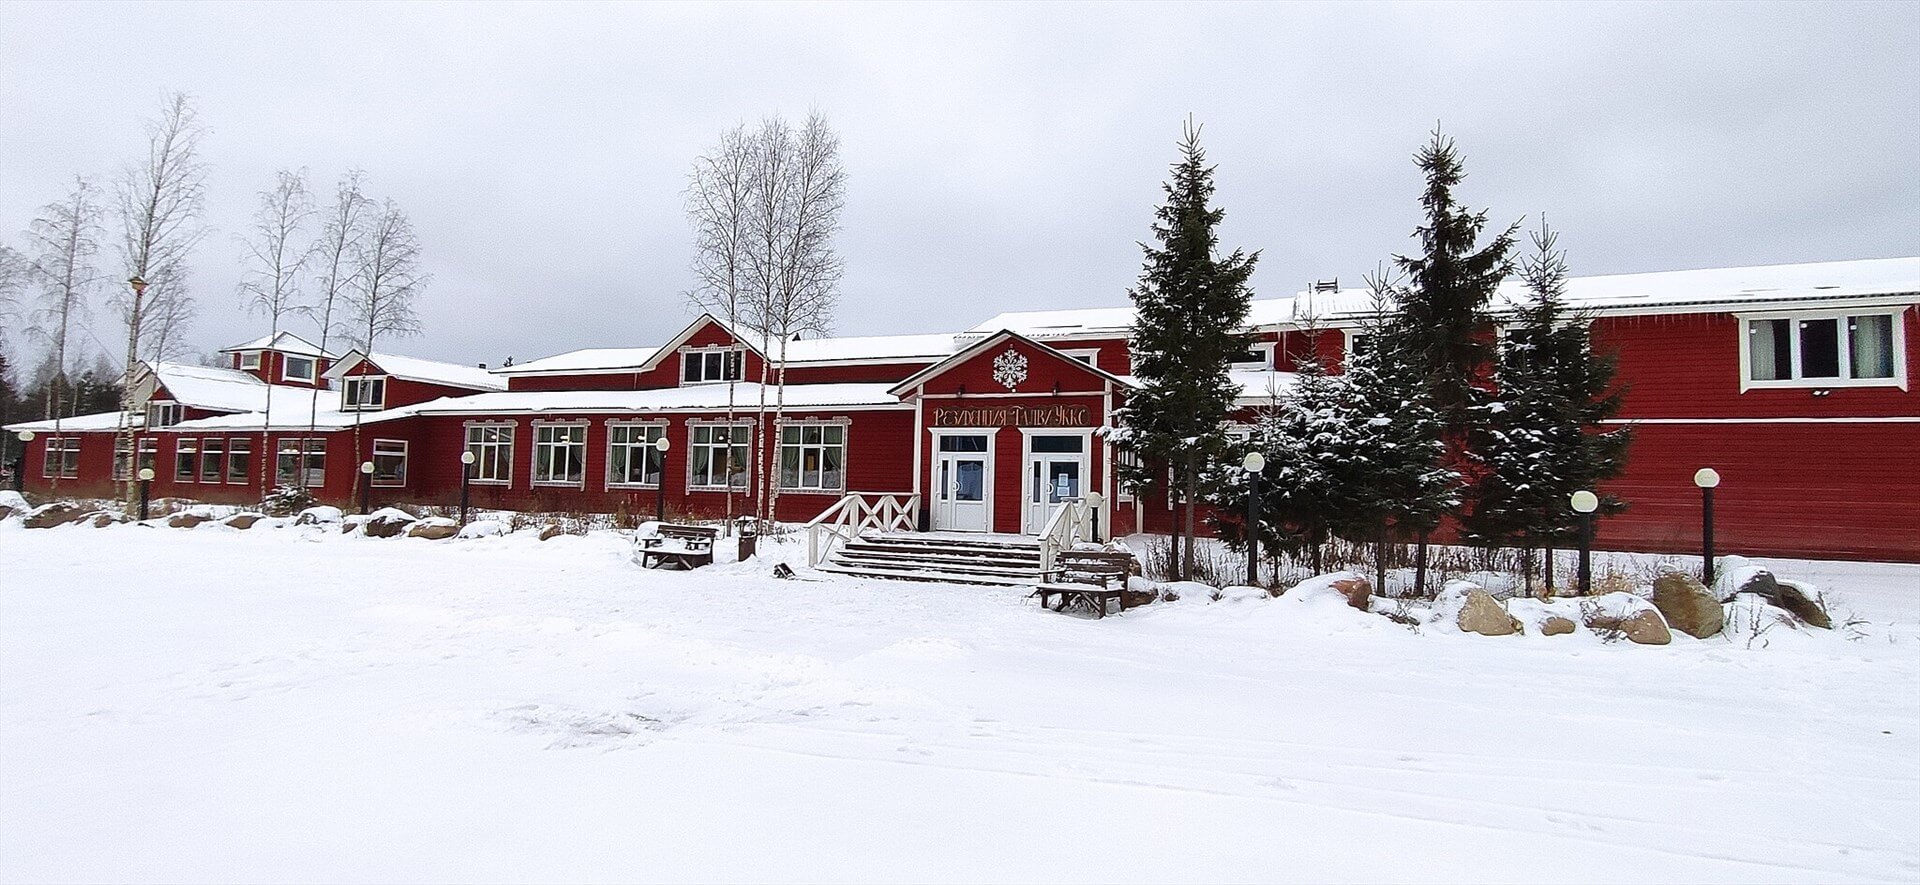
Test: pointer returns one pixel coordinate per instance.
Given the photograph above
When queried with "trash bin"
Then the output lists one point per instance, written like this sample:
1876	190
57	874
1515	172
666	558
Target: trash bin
747	529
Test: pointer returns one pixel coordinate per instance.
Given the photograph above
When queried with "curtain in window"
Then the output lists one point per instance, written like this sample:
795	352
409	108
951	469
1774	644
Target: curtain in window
1768	351
1870	339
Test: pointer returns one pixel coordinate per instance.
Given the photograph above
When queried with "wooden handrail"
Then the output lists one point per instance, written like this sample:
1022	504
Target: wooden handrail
855	514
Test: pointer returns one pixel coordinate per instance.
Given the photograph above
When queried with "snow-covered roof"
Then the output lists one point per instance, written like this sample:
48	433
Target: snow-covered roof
429	371
97	421
284	342
592	359
216	389
1663	292
666	399
294	414
905	348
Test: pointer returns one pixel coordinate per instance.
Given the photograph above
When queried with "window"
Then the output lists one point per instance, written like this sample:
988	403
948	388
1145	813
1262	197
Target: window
239	459
1816	351
250	360
1257	356
492	448
363	394
812	457
632	459
161	413
1125	459
389	462
718	455
186	459
301	462
122	448
559	454
709	366
296	368
1090	355
213	453
61	458
149	454
1359	343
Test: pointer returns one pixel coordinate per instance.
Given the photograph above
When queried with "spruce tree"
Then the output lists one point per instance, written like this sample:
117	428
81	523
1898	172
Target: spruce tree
1543	437
1444	303
1190	307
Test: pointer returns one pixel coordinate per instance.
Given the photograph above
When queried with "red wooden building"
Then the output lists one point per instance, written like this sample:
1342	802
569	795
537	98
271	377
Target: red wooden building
1794	382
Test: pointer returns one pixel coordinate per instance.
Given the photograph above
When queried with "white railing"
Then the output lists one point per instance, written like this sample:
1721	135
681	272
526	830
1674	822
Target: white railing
1069	524
859	512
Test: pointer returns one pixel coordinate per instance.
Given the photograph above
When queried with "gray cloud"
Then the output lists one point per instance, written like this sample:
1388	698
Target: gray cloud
1001	157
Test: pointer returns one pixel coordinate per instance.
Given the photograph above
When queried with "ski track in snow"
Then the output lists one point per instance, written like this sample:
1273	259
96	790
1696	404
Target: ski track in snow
293	705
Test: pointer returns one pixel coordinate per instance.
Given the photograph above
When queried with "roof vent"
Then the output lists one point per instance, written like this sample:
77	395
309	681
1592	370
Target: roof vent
483	365
1332	285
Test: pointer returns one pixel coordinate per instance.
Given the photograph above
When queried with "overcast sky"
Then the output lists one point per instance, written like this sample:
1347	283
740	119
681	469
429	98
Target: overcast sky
1000	157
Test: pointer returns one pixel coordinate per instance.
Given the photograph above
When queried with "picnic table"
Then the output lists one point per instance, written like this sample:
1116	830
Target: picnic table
678	547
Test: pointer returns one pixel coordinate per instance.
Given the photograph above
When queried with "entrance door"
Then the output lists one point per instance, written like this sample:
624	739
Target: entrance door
960	471
1056	472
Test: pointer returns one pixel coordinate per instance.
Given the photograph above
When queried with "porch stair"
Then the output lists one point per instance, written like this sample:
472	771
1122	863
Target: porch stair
993	560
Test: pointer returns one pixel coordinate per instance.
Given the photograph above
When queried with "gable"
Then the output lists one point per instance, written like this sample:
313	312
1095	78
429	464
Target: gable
1007	364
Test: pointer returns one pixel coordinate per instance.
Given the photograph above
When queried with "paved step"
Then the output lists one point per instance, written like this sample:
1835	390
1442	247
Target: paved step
919	575
1031	557
992	542
957	567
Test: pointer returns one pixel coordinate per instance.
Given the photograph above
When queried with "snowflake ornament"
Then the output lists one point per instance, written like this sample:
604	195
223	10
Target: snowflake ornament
1010	368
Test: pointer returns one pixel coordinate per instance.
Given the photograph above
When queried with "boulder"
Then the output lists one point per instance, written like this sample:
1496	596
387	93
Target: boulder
387	523
318	515
437	529
1759	582
47	516
242	521
106	518
1555	625
1805	602
1357	590
484	528
1687	606
1626	615
1480	613
549	532
187	519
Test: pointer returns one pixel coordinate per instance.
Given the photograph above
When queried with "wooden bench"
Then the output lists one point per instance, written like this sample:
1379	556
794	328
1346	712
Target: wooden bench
1080	597
1106	568
678	547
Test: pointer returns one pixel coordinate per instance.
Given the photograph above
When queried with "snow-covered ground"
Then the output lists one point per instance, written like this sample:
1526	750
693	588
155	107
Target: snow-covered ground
291	704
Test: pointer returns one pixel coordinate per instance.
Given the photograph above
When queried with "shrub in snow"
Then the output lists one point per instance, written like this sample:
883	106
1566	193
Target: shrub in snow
1752	620
484	528
287	501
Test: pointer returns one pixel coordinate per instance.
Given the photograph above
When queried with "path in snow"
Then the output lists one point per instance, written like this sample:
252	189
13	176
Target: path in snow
294	704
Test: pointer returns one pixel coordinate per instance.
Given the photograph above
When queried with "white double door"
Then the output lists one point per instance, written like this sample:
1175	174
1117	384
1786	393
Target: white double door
962	476
1056	473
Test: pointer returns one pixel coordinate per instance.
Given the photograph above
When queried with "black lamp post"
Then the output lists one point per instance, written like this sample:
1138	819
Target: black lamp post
466	476
661	445
366	485
1254	463
146	490
20	462
1584	503
1707	479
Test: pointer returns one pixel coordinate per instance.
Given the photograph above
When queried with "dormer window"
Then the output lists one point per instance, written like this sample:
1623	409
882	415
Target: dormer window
297	368
365	393
162	414
710	366
250	361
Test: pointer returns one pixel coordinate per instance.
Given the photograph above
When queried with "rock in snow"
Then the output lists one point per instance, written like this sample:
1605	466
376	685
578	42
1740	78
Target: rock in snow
386	522
438	528
318	516
1687	606
47	516
1471	608
484	528
1627	614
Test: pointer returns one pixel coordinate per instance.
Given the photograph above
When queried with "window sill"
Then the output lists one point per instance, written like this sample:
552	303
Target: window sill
838	493
558	484
628	486
1822	384
503	483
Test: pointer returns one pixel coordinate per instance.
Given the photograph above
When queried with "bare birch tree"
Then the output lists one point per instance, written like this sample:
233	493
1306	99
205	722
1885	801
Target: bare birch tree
720	206
65	239
334	256
275	258
387	279
161	200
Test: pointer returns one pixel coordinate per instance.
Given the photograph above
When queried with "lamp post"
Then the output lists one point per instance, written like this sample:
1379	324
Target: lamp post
20	462
366	485
1254	463
1707	479
466	475
1584	503
146	489
661	445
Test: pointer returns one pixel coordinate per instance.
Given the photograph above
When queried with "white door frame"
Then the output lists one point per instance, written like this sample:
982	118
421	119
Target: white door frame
1026	468
933	471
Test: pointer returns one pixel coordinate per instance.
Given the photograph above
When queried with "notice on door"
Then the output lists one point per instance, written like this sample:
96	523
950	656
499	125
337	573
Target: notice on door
1014	416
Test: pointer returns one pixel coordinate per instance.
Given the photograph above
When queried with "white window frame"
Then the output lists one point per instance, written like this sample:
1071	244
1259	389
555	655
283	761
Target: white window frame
1266	363
146	453
304	449
780	455
1088	355
693	427
122	459
349	402
1348	335
236	445
214	447
653	430
250	361
286	368
534	465
504	441
188	446
1124	458
163	408
1794	318
394	447
687	353
69	449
